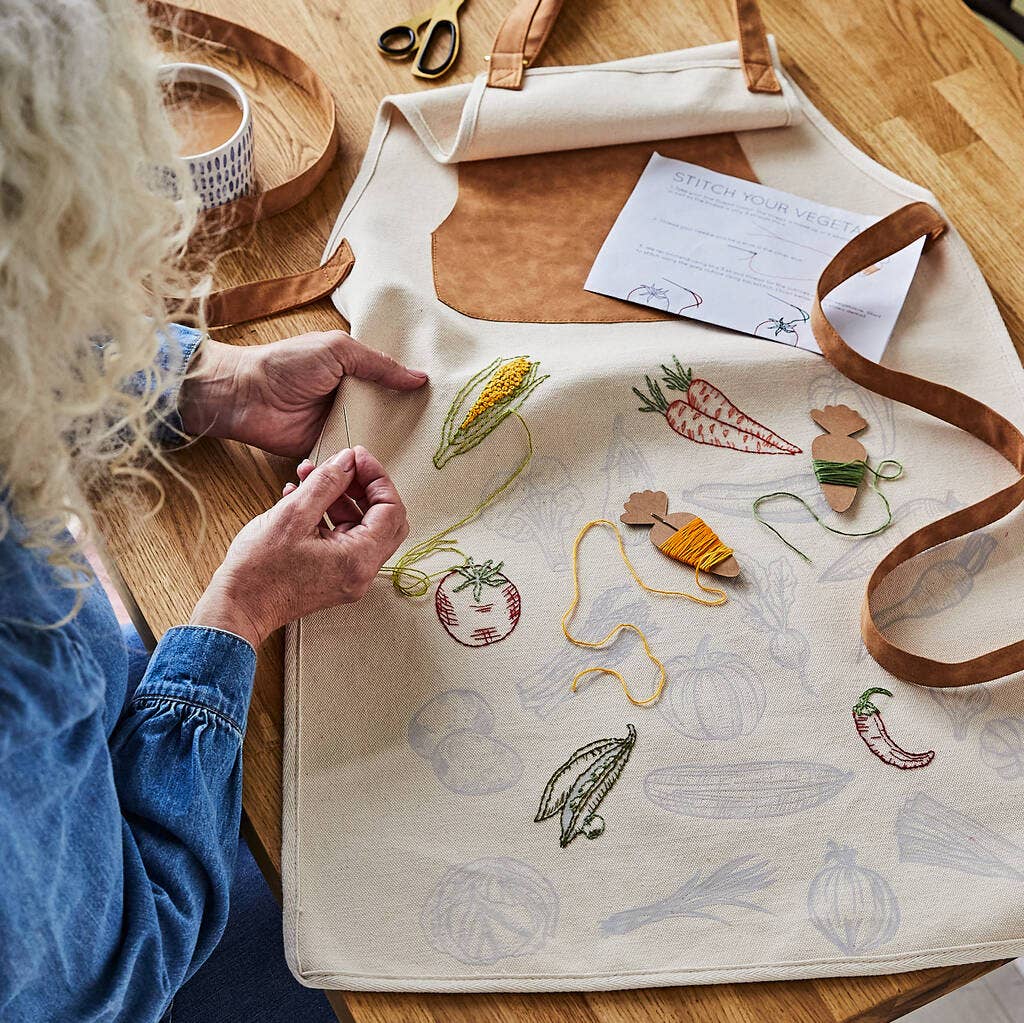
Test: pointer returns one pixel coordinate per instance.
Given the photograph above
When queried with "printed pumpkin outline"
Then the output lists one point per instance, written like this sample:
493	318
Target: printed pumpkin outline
715	695
783	330
578	787
705	414
871	728
490	909
732	885
854	907
470	610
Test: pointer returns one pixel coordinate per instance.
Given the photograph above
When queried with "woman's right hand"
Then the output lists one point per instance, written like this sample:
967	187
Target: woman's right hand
286	563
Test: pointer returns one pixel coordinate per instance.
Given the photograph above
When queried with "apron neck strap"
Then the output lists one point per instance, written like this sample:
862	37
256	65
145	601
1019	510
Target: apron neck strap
528	25
877	242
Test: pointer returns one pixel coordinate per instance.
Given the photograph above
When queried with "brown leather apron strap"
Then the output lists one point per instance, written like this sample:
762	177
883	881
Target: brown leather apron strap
528	25
279	294
209	28
264	298
888	236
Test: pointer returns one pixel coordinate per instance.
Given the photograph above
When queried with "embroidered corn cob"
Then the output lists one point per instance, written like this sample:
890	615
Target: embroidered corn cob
507	383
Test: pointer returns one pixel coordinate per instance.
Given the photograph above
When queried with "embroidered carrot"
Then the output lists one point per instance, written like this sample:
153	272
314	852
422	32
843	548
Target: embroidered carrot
706	415
871	728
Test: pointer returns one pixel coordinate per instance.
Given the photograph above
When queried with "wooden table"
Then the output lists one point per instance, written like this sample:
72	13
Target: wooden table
918	84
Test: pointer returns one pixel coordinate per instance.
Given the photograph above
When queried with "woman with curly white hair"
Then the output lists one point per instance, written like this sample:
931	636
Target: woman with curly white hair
120	796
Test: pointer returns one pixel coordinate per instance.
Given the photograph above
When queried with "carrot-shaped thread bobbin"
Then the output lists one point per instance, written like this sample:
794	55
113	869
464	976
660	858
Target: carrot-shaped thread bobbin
681	536
839	459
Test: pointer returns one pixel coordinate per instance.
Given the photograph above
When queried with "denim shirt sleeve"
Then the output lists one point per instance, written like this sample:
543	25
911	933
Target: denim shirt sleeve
117	850
177	347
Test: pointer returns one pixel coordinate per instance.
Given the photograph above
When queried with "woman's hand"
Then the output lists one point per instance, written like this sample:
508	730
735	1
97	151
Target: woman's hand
277	396
286	563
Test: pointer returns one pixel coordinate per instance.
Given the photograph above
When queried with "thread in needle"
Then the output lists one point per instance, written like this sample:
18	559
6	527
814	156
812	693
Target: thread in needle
348	444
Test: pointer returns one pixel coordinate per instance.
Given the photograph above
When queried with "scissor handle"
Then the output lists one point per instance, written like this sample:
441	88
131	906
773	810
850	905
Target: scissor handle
399	40
436	31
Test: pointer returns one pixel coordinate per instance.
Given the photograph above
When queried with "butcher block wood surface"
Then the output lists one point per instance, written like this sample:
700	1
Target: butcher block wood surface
920	85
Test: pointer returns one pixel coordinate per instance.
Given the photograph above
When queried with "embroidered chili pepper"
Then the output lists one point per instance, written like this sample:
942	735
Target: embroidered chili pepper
871	728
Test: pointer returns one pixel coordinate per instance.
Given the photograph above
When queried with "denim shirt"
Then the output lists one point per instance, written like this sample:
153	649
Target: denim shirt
119	811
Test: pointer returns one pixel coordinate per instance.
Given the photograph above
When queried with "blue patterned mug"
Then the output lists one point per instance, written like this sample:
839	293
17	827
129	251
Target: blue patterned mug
223	170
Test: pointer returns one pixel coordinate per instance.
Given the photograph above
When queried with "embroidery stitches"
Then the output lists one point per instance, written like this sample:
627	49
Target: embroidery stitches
871	728
706	416
470	610
509	383
578	787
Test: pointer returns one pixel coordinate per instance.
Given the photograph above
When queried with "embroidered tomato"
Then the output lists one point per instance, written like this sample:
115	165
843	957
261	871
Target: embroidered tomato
477	604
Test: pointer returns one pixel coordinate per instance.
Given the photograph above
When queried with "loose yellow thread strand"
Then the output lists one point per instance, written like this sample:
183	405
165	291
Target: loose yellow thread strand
623	626
402	570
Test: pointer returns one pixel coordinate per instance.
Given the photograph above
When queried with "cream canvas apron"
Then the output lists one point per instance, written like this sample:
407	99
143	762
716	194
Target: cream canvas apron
739	828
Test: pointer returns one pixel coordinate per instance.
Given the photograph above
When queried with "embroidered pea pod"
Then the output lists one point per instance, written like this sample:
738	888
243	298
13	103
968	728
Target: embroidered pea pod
871	728
577	788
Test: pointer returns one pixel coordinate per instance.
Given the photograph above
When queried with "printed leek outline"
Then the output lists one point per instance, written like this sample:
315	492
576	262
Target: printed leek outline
509	382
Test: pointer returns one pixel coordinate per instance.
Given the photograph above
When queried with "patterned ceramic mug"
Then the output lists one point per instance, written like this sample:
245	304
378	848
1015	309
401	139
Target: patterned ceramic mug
224	172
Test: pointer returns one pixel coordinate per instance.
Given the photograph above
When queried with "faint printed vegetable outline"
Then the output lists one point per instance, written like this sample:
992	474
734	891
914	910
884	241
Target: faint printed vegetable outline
714	695
542	509
735	499
509	382
755	790
961	706
547	687
490	909
871	728
778	326
1002	747
855	908
932	833
728	886
453	732
466	615
766	606
705	415
944	582
577	789
859	561
625	470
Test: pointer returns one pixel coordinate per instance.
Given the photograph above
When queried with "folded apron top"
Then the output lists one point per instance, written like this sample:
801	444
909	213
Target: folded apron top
746	825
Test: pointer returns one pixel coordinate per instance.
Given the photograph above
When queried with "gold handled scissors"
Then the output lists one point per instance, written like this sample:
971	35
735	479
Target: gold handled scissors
424	33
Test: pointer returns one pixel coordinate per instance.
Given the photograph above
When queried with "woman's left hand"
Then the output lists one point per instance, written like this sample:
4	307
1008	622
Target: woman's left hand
277	396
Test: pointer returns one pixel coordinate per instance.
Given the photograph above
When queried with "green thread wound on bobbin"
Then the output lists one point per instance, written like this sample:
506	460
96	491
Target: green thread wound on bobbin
832	470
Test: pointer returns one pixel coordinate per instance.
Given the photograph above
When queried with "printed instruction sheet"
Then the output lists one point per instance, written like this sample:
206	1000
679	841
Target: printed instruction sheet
727	251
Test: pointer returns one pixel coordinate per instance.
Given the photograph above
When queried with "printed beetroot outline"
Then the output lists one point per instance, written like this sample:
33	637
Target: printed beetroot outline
690	415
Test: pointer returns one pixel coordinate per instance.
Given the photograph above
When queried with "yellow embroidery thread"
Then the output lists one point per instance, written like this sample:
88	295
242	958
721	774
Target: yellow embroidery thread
505	382
600	644
698	545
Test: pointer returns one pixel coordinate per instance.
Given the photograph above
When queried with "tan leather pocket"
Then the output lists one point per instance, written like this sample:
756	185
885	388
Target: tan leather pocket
525	230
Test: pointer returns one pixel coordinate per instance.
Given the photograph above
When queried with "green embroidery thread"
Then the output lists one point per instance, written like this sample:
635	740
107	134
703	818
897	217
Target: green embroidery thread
878	475
507	383
577	788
